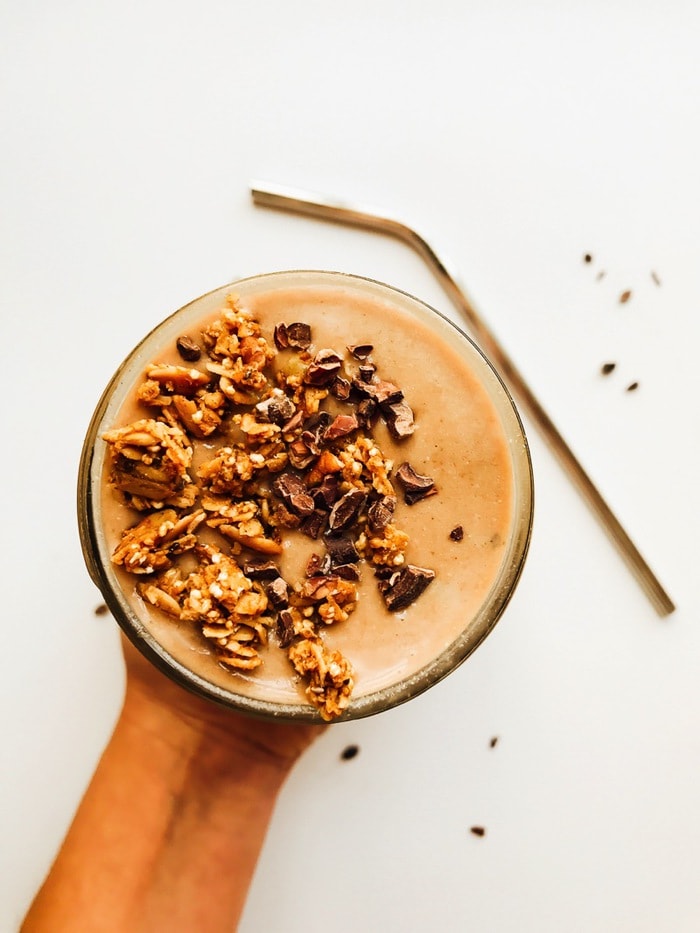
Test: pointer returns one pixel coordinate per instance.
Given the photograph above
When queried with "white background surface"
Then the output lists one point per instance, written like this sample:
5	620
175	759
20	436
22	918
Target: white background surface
517	136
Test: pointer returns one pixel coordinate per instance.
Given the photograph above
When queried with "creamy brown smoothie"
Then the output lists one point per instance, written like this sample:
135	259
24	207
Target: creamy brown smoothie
459	533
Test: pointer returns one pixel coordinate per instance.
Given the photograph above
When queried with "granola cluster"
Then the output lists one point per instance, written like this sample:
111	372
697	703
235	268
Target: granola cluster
243	443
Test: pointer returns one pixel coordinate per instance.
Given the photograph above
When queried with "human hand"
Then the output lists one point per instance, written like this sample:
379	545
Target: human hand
154	699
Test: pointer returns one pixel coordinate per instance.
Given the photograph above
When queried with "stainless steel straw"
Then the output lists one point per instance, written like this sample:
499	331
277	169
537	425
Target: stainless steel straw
313	205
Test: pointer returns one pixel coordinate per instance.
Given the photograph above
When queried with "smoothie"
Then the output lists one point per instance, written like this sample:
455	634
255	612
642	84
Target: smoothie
355	476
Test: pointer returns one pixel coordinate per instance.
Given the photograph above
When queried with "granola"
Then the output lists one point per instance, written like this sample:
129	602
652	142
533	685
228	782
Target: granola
248	441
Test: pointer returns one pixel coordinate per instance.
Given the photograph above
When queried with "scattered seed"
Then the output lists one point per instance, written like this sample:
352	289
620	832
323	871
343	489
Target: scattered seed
625	297
655	279
587	257
632	386
350	751
101	610
494	742
477	830
607	368
457	533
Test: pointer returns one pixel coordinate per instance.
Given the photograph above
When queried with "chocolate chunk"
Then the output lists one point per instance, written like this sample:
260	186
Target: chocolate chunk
341	426
350	751
285	628
399	420
477	830
341	550
380	391
457	533
323	369
294	423
278	593
318	566
313	524
361	350
415	485
280	337
299	335
261	569
300	456
188	349
315	430
327	494
347	571
367	371
346	509
380	513
404	588
340	388
607	368
294	494
278	409
366	412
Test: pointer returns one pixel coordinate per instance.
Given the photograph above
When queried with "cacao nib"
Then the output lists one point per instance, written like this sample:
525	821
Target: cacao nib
341	426
294	422
278	593
361	350
261	569
347	571
381	512
367	371
327	494
300	456
457	533
285	628
346	509
366	412
281	517
340	388
318	566
380	391
280	337
188	349
278	409
299	335
341	550
415	485
313	524
294	494
406	587
399	420
323	369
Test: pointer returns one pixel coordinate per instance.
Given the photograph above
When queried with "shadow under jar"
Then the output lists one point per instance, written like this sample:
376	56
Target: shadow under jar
294	566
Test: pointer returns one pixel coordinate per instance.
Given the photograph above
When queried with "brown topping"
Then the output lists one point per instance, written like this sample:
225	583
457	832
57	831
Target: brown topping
278	593
380	391
341	426
323	369
415	485
457	533
346	509
381	512
294	494
399	420
340	388
188	349
367	371
329	674
342	550
405	586
261	569
277	408
285	628
299	335
361	350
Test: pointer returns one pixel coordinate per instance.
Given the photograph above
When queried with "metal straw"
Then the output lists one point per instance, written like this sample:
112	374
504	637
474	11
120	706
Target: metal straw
314	205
